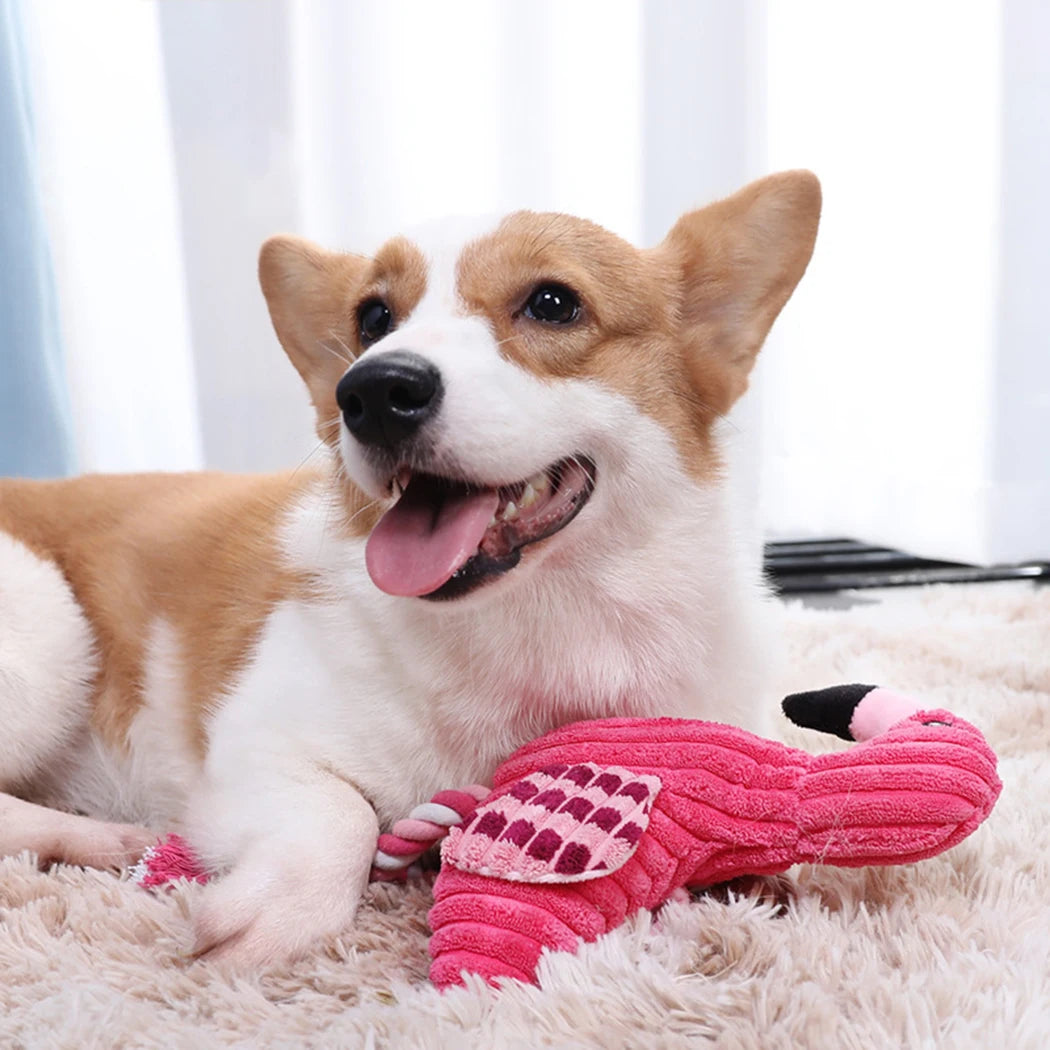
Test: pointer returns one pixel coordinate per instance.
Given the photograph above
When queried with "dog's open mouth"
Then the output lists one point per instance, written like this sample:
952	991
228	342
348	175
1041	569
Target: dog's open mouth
443	538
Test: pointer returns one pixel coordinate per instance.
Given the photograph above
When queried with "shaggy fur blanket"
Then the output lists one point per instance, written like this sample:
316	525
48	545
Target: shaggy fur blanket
952	952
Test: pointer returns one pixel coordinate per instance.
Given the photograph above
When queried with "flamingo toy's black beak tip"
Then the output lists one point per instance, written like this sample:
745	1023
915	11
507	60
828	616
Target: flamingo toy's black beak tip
827	710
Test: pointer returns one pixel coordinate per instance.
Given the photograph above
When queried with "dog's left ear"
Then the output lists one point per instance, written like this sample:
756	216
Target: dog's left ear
311	294
738	262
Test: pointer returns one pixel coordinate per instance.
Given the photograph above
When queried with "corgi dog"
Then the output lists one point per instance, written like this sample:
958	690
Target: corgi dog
521	519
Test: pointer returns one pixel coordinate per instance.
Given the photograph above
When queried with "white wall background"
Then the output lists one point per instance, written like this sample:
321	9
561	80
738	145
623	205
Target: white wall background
902	397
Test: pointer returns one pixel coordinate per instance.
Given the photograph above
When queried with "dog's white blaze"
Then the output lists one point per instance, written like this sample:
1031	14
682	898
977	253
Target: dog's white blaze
436	328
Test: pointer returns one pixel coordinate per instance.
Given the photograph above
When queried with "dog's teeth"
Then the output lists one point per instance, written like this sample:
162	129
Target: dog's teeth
528	497
495	521
510	512
540	482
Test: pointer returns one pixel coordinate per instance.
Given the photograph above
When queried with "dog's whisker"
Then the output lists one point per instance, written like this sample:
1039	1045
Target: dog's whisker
310	455
338	356
704	406
361	510
575	460
350	356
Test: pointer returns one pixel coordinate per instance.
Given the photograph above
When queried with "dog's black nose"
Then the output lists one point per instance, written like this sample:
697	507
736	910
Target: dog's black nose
387	398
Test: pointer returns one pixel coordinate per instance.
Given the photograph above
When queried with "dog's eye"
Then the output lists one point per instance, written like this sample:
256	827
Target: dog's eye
553	304
374	320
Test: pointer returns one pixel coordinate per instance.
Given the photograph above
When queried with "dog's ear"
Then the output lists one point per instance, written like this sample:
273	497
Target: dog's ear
311	295
738	261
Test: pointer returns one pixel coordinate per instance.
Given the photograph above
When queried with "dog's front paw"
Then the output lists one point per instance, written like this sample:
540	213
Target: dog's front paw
299	855
261	915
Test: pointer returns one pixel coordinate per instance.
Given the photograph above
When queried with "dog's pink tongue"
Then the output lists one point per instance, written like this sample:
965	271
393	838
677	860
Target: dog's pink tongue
427	535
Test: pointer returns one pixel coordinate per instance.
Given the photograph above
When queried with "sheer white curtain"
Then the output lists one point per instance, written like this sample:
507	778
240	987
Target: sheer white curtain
349	121
903	394
111	198
408	110
909	401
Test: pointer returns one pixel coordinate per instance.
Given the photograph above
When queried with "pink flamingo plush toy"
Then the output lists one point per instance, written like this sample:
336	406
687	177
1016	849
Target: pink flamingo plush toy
598	819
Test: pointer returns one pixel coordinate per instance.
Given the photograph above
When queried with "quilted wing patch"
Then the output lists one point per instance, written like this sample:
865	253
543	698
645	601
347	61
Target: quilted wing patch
560	824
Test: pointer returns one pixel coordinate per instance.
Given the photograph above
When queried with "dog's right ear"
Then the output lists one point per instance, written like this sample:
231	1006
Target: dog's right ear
311	295
738	260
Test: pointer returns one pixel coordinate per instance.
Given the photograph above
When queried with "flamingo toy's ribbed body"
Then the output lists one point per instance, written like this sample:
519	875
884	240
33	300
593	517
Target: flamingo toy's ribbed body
599	819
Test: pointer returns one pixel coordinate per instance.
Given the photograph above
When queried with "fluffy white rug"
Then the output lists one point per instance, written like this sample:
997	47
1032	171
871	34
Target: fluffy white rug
953	952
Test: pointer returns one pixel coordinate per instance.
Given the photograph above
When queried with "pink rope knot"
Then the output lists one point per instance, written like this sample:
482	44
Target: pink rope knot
423	828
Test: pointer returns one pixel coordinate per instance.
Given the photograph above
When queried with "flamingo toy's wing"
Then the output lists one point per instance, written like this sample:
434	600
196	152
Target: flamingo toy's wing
560	824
